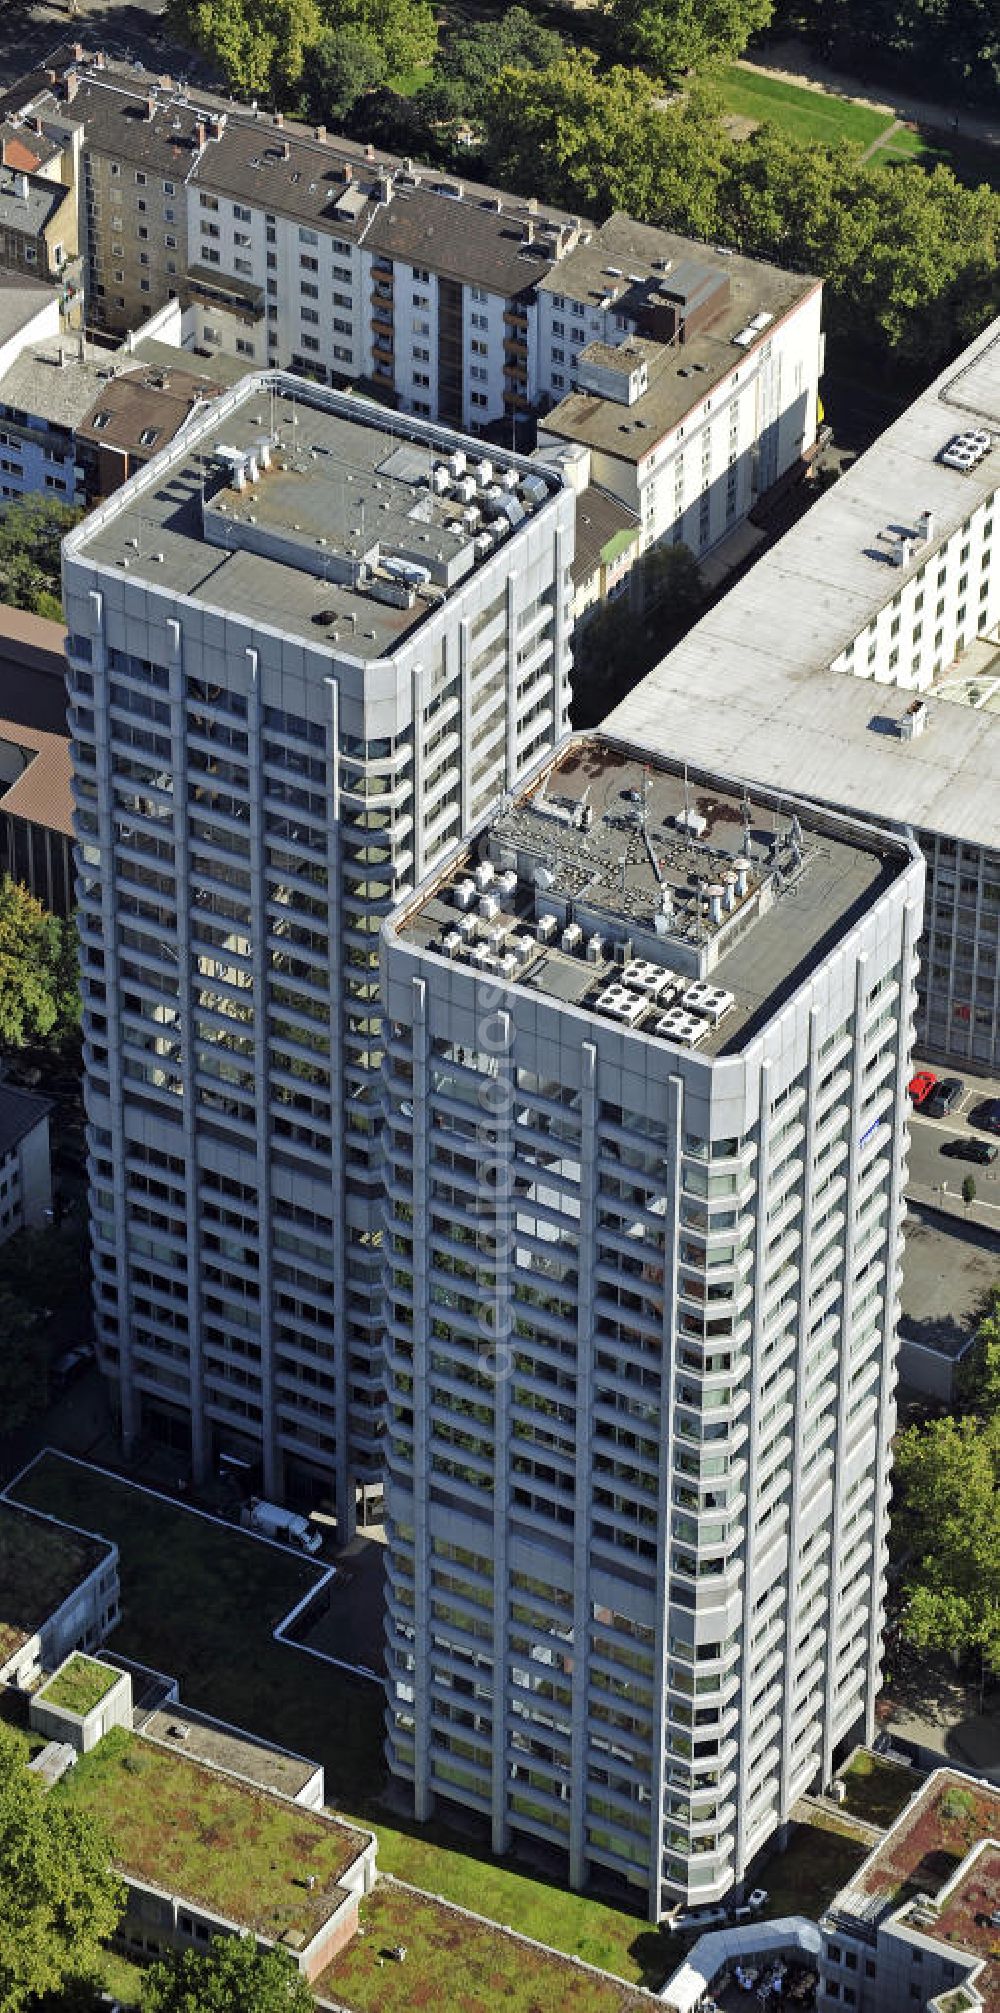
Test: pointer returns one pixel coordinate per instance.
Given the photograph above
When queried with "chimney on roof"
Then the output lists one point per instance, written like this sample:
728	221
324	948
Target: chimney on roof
200	134
369	152
320	133
36	124
72	87
166	83
348	172
216	125
100	60
279	120
21	187
151	105
285	151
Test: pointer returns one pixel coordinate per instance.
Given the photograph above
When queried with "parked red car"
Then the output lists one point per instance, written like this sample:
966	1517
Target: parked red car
921	1085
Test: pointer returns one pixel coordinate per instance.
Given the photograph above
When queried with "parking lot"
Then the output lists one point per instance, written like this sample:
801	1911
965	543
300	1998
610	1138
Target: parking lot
936	1177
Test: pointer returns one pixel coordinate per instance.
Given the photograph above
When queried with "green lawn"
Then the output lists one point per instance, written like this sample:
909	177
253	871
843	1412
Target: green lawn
807	115
406	83
878	1790
816	1863
582	1925
117	1976
908	143
454	1964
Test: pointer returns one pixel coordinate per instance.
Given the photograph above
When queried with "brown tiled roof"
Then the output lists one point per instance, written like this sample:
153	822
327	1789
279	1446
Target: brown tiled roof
299	172
150	400
16	154
117	124
248	161
40	793
470	241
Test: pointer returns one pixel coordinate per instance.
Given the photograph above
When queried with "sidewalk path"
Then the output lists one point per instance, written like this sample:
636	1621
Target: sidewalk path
794	63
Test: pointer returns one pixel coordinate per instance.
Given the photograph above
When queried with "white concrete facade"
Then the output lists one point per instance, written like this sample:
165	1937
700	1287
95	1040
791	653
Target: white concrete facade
229	928
641	1309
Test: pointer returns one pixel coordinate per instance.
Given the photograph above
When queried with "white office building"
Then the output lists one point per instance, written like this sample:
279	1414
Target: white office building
309	645
647	1046
859	662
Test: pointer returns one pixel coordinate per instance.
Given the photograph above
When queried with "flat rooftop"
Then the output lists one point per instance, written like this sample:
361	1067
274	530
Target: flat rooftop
41	1564
181	1730
627	265
925	1847
967	1912
317	513
750	687
225	1846
673	903
930	1856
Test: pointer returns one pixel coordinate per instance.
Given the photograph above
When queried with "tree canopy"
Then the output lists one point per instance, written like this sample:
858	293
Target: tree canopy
947	1484
284	50
231	1976
673	36
910	258
31	532
957	45
468	63
598	141
59	1898
949	1475
39	985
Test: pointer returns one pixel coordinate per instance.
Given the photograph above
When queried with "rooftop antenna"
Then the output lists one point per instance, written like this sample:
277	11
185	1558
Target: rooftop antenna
746	821
687	804
623	863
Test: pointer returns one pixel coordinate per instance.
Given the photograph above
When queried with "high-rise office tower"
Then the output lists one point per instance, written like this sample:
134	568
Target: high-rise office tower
309	645
647	1046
